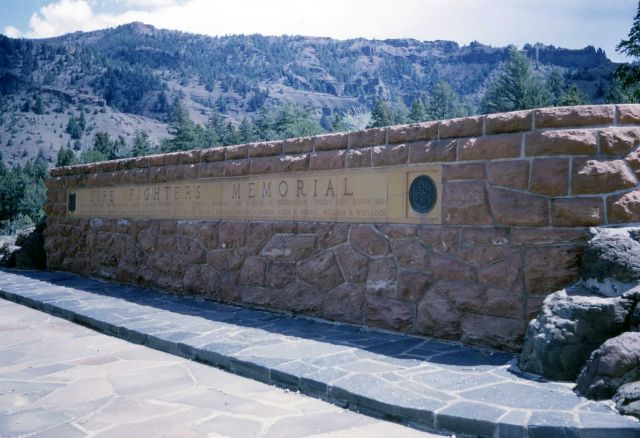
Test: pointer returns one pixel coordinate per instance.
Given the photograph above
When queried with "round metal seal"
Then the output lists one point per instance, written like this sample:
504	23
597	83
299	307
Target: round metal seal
422	194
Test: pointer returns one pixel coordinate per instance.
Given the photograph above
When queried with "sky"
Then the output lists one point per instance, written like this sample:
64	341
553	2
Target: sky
563	23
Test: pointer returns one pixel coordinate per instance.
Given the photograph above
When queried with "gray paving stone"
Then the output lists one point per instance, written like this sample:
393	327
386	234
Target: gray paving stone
30	421
469	418
400	377
231	426
545	424
523	396
513	424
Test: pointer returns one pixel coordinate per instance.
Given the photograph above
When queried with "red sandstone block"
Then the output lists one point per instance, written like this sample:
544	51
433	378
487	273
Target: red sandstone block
57	171
629	113
550	176
390	155
484	236
633	161
461	127
619	141
172	158
210	170
594	176
515	121
236	167
466	203
577	212
624	208
489	148
294	163
413	132
516	208
54	182
150	161
265	149
548	269
174	173
565	142
464	171
265	165
213	154
390	313
157	174
570	116
513	174
359	157
368	137
236	152
327	160
432	151
298	145
190	171
329	142
190	157
548	236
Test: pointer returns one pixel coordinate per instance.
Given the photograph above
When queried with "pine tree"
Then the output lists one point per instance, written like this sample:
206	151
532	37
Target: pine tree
574	96
381	114
418	111
66	157
515	88
556	86
444	103
141	145
214	129
625	87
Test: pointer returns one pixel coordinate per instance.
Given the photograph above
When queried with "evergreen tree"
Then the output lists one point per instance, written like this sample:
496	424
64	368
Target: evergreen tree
38	106
66	157
74	129
141	145
214	129
247	131
625	87
574	96
186	134
102	144
444	103
381	114
556	86
418	111
515	88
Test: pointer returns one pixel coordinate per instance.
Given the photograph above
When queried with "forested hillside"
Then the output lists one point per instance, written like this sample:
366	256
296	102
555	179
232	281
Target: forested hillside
138	83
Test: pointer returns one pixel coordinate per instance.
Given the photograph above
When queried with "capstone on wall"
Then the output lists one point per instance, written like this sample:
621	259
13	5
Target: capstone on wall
519	191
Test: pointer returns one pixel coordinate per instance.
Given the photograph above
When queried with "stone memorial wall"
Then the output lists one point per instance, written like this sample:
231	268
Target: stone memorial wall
455	229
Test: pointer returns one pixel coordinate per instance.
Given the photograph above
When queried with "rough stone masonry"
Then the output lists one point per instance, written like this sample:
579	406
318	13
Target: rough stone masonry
518	193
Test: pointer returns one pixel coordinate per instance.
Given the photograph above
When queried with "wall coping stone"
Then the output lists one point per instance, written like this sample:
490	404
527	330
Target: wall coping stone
479	126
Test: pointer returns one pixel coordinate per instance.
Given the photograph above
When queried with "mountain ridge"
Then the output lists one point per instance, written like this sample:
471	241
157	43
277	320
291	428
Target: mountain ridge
125	78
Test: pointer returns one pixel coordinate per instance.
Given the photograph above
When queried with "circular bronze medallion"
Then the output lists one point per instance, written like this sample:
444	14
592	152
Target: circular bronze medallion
422	194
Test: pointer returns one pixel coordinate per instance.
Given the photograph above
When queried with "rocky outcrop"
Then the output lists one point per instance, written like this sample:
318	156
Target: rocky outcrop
28	250
627	399
592	329
611	261
572	324
615	363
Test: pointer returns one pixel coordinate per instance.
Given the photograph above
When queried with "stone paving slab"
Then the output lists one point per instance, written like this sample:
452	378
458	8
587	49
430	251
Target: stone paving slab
95	386
428	384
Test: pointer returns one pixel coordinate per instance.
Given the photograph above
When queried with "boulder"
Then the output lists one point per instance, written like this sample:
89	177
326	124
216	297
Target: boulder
571	324
611	261
627	399
615	363
28	251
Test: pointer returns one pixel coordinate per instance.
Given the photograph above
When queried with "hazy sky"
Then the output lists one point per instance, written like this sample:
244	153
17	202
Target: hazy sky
564	23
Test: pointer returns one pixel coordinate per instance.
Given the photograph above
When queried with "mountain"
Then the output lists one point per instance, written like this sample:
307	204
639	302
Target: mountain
126	79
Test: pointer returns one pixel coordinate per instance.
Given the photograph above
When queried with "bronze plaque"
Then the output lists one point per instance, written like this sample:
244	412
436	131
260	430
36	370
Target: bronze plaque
373	195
